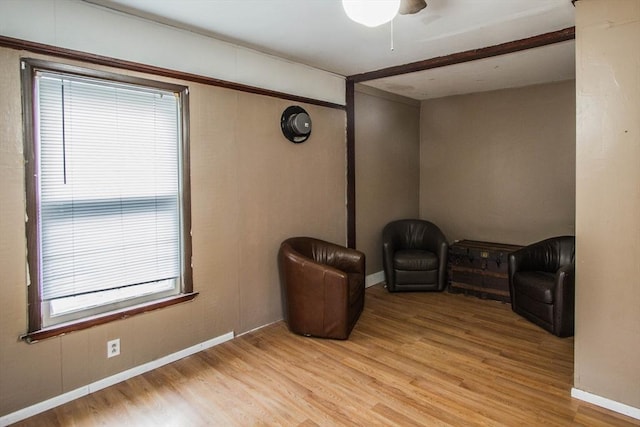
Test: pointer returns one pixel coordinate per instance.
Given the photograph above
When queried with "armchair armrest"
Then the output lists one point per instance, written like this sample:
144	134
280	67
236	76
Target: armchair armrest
564	307
390	243
565	284
435	241
443	256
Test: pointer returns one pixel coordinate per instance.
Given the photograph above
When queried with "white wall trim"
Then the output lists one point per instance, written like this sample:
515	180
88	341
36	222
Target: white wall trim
96	29
258	328
374	279
603	402
32	410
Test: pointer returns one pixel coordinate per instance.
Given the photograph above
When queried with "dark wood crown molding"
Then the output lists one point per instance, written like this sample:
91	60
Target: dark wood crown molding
469	55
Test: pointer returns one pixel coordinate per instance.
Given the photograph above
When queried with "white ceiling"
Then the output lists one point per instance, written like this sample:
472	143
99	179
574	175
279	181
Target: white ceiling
540	65
318	33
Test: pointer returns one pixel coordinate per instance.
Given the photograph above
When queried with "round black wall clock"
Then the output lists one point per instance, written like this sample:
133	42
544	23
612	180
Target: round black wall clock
295	124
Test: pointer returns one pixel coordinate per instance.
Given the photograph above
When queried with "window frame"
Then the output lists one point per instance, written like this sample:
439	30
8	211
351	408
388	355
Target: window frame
36	331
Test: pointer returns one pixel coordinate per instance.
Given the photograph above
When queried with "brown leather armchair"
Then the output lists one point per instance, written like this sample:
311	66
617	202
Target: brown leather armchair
414	256
323	285
542	284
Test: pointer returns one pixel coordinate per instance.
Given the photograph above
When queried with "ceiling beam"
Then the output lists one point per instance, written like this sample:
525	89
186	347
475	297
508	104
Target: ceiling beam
469	55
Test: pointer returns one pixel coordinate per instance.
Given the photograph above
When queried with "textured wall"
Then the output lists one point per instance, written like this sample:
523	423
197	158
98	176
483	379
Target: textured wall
387	167
251	188
500	166
607	341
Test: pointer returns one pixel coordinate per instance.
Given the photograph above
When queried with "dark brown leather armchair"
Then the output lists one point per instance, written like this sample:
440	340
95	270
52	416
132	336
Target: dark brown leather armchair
414	256
542	284
323	285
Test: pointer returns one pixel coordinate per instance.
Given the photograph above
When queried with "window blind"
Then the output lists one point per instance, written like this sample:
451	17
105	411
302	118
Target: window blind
109	185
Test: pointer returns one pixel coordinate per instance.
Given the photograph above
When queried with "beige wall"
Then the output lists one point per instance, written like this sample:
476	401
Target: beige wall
500	166
387	166
607	341
251	188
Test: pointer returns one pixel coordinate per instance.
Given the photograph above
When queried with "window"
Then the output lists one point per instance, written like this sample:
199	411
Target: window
108	223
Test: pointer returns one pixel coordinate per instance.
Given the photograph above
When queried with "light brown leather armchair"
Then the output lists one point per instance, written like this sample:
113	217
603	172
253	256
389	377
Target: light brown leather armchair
323	287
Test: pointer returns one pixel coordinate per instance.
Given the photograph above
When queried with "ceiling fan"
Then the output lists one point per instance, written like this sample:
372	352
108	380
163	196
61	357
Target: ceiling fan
377	12
409	7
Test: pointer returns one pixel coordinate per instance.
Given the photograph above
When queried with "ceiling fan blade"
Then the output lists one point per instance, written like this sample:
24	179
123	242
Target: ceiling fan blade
409	7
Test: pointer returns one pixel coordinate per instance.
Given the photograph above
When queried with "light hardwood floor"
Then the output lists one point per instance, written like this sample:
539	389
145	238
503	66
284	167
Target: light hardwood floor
431	359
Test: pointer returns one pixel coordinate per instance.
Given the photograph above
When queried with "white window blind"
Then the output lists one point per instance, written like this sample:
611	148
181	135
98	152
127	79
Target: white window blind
109	186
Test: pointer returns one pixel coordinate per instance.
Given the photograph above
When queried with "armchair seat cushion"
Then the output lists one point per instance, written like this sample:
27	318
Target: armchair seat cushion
415	260
537	285
428	278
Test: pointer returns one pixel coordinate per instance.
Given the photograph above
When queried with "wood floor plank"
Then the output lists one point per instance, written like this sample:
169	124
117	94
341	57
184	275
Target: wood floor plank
413	359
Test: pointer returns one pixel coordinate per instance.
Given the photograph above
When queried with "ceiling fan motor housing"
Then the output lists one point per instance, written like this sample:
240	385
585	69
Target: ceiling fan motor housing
409	7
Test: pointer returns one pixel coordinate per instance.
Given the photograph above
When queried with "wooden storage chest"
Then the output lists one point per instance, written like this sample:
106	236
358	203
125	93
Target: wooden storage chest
480	269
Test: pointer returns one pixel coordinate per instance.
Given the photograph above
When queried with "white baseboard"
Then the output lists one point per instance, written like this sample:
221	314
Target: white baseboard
603	402
258	328
374	279
32	410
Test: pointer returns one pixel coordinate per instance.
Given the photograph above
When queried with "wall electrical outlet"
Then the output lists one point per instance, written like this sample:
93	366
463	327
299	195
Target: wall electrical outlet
113	347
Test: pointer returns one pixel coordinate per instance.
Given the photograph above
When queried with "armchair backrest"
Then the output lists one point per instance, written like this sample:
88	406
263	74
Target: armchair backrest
413	234
327	253
549	254
566	250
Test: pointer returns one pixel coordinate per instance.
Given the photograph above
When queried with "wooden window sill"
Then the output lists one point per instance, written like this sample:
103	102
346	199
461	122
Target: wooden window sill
78	325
